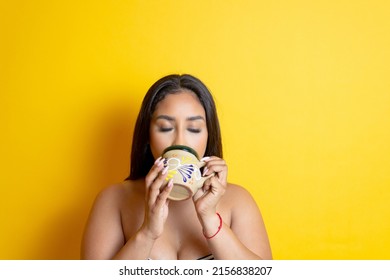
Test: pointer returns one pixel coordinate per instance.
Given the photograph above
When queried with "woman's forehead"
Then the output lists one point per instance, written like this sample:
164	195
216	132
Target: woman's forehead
184	103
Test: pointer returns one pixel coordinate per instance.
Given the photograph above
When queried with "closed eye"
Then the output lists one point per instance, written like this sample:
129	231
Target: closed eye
165	129
194	130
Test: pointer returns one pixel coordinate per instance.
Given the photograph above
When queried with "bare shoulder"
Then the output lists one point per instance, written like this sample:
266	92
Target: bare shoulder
238	201
246	220
113	191
237	195
104	225
118	192
237	189
113	200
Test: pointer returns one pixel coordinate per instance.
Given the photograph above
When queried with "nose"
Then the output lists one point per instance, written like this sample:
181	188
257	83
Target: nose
179	139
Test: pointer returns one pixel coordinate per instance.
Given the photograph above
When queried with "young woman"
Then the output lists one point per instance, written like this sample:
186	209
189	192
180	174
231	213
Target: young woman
136	220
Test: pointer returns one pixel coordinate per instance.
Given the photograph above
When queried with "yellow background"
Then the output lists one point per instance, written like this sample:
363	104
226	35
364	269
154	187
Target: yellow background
302	89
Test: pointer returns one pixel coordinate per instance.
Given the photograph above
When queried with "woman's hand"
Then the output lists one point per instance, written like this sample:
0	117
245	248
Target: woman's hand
207	197
156	203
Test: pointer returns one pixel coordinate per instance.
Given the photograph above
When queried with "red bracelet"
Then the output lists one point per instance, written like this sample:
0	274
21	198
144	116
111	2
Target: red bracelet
219	228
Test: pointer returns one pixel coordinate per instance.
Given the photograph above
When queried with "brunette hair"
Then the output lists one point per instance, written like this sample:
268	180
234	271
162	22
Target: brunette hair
141	155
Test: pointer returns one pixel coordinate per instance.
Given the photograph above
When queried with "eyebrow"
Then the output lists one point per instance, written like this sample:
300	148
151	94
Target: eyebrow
172	119
195	118
165	117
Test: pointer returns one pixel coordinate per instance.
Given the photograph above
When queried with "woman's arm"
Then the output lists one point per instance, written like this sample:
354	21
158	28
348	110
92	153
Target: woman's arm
104	237
246	238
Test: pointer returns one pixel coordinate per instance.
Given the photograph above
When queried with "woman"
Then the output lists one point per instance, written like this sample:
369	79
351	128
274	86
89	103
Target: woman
135	220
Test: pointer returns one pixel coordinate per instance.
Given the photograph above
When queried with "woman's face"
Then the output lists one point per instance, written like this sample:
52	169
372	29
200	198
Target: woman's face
179	119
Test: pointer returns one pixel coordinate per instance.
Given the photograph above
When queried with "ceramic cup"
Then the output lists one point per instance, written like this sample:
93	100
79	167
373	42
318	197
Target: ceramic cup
184	169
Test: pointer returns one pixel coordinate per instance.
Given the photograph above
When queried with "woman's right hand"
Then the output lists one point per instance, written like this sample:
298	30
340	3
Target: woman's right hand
156	202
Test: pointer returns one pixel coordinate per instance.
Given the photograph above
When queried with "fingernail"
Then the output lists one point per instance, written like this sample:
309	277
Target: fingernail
205	159
170	183
205	170
157	160
165	170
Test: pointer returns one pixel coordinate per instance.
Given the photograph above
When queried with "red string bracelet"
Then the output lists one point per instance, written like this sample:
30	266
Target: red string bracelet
219	228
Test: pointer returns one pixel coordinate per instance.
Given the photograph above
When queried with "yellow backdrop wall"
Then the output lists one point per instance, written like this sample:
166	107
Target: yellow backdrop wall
302	89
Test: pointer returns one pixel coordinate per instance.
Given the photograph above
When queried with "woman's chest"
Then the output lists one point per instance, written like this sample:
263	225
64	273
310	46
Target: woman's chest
182	236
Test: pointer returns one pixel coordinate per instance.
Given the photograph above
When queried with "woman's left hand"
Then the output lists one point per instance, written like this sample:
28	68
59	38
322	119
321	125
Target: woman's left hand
207	197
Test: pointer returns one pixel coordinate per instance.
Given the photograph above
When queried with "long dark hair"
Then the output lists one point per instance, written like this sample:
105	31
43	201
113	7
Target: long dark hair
141	155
